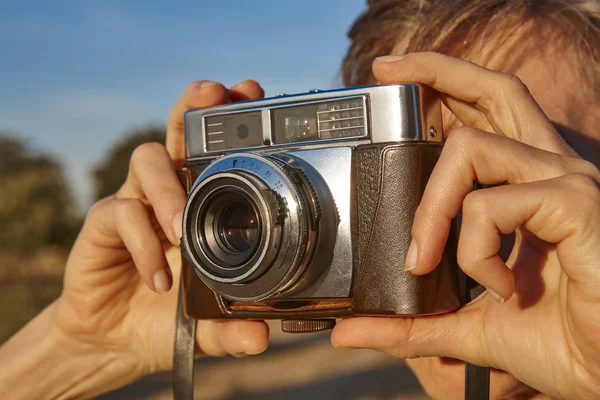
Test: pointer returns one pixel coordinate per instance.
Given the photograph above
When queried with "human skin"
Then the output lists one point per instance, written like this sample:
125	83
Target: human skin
538	320
551	75
114	321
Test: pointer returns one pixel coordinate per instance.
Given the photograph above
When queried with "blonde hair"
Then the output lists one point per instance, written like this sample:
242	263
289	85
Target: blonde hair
458	27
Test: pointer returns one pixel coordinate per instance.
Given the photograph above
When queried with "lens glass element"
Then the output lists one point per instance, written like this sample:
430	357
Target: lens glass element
230	227
237	226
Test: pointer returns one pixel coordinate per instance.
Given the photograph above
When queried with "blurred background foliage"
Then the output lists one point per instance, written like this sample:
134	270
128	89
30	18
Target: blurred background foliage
39	220
110	174
36	208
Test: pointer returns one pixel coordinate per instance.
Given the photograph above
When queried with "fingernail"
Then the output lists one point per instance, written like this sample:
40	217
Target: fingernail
161	280
240	355
495	296
410	262
177	226
389	59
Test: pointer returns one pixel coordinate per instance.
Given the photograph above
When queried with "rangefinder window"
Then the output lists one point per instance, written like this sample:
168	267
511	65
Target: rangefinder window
319	121
233	131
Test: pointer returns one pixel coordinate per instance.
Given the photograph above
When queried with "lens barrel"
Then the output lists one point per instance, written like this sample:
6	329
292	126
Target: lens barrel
250	226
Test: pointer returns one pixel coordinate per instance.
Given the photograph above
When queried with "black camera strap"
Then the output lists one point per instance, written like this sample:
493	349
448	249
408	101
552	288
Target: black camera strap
183	354
477	382
477	379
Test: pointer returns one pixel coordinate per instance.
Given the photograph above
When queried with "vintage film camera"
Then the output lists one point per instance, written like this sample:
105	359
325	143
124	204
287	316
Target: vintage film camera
300	207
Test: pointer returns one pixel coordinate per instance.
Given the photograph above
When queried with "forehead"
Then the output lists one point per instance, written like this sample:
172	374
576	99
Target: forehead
551	72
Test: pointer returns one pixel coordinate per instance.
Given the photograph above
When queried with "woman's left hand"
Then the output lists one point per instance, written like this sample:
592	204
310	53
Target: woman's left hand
539	318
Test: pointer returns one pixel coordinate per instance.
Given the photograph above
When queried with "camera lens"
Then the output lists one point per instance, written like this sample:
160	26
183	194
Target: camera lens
248	227
230	227
238	226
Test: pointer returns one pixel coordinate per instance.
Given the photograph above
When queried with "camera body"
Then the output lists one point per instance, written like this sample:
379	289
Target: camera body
300	207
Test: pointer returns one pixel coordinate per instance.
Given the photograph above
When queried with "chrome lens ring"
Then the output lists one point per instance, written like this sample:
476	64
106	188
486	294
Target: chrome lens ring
284	227
203	242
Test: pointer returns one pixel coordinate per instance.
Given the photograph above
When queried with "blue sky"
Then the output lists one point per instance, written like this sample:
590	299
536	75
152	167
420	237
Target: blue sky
76	75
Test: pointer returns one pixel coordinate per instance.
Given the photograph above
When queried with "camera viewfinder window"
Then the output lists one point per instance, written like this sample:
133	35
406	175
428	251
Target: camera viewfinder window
233	131
319	121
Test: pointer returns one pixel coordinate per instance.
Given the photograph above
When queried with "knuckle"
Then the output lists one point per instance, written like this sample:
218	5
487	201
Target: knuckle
585	187
589	169
146	152
462	148
197	88
514	85
96	208
421	55
195	85
96	211
168	196
462	138
126	208
400	352
168	203
475	203
415	60
206	341
176	116
464	258
474	208
247	82
411	57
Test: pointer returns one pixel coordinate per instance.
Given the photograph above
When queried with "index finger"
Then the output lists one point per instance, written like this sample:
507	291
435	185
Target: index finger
198	94
502	98
201	94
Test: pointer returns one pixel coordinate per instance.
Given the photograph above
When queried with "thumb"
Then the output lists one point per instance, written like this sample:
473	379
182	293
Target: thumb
456	335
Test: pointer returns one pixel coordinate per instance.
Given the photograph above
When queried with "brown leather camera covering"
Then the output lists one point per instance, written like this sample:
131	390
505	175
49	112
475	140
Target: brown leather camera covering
388	182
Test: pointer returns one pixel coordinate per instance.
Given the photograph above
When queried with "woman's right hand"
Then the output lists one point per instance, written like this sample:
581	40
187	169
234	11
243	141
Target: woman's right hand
538	320
120	287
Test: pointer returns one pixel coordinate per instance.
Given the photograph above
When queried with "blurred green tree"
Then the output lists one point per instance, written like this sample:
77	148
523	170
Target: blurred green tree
36	206
111	172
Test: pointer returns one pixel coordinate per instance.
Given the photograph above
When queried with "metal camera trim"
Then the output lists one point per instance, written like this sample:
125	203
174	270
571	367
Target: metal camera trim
293	249
267	126
394	113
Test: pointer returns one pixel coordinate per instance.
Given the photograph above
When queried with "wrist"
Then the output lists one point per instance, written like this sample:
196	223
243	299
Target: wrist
91	370
40	361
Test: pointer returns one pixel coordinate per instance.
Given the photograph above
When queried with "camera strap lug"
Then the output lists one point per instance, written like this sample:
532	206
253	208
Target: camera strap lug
183	354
